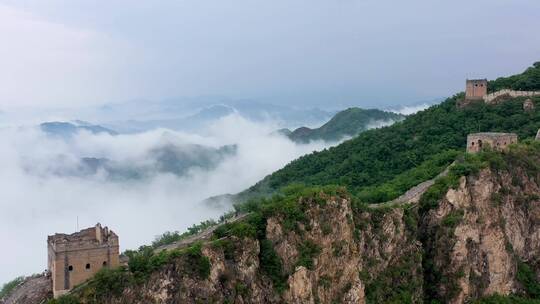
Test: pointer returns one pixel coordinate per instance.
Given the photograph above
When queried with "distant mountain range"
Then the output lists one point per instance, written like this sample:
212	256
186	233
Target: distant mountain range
346	123
68	129
173	159
193	118
170	158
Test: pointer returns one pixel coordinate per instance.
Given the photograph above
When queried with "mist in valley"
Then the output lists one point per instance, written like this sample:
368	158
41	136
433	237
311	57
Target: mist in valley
48	187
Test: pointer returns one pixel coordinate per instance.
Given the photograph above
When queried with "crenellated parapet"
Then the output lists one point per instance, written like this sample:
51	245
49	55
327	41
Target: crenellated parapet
74	258
490	98
496	141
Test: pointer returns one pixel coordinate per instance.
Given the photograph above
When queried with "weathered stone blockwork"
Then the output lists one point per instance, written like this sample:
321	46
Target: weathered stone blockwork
75	258
476	89
492	97
497	141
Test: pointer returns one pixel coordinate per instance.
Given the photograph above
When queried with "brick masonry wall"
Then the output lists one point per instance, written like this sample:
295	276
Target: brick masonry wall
492	96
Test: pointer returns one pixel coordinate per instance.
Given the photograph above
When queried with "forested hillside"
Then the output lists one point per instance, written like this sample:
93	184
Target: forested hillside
397	157
526	81
349	122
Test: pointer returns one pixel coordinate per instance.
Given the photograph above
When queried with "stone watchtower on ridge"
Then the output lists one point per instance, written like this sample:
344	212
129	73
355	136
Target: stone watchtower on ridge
497	141
74	258
475	89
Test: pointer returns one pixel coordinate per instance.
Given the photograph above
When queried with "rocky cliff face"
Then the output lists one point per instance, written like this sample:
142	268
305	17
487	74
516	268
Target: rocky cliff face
481	231
472	243
332	257
34	289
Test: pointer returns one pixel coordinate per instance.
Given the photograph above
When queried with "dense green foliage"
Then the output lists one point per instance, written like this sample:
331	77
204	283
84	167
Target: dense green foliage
349	122
67	299
497	299
308	250
9	286
110	282
397	283
171	237
527	277
465	165
271	265
526	81
145	261
408	179
199	265
379	159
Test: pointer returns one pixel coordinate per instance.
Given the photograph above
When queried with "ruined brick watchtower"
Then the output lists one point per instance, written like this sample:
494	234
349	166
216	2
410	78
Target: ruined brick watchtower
76	257
497	141
476	89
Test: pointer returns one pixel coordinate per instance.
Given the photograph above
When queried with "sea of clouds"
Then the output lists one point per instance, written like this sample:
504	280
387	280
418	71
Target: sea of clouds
36	201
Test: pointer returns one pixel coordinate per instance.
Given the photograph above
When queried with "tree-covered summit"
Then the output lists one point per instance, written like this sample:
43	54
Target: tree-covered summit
529	80
349	122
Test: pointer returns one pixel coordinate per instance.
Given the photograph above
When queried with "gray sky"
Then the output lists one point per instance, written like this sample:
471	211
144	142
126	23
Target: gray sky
305	52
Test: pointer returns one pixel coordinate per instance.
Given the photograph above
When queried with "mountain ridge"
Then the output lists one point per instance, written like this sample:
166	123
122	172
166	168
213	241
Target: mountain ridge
346	123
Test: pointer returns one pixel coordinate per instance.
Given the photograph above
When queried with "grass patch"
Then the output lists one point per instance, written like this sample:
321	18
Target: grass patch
453	218
527	277
498	299
66	299
271	265
398	283
406	180
308	251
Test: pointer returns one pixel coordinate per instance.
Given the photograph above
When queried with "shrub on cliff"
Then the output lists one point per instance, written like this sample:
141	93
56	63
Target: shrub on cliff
9	286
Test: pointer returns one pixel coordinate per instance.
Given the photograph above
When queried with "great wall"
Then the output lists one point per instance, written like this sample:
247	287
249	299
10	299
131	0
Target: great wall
491	97
476	90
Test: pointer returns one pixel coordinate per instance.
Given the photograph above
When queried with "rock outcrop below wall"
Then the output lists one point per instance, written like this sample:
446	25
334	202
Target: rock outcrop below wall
33	290
497	226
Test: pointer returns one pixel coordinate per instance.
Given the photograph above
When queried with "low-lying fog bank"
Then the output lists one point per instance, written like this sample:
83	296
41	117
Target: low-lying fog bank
44	190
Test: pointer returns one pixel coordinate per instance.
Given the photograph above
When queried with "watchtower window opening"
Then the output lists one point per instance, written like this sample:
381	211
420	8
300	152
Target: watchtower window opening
480	143
70	268
87	266
105	264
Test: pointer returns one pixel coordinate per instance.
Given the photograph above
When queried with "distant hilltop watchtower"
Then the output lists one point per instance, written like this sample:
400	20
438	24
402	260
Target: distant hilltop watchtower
497	141
476	89
76	257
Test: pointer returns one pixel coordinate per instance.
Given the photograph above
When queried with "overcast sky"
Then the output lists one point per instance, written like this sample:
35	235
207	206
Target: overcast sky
306	52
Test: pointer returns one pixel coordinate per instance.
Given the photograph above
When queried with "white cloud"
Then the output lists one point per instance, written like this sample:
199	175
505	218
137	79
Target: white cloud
375	124
408	110
36	205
